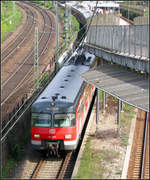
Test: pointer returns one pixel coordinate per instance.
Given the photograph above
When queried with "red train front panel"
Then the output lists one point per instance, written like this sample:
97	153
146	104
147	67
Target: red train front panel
63	131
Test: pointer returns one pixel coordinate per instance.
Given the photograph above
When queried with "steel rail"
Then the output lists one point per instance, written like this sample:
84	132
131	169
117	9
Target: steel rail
37	169
136	162
64	166
146	135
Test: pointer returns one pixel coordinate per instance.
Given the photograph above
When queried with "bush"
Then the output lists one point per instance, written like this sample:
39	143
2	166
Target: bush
14	150
44	78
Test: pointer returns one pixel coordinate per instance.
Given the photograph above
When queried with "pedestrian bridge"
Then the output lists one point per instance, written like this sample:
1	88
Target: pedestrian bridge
125	45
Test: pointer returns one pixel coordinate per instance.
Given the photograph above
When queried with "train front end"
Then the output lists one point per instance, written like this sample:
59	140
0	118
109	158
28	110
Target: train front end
53	127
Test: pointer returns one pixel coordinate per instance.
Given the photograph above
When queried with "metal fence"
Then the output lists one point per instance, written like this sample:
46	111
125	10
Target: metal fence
141	20
130	40
104	19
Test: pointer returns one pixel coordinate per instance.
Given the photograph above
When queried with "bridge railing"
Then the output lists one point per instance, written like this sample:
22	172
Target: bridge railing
131	40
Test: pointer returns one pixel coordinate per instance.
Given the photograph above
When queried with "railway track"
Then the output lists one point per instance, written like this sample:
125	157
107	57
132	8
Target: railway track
19	40
139	158
18	47
27	64
144	174
52	168
47	168
36	165
25	68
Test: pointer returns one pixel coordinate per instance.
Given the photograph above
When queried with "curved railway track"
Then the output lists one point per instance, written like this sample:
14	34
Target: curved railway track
25	68
139	158
13	46
27	64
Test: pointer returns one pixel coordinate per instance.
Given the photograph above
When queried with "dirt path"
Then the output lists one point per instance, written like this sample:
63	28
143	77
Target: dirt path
107	139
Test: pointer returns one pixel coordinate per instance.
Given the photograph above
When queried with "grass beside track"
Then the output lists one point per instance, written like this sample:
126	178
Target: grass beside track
9	165
10	18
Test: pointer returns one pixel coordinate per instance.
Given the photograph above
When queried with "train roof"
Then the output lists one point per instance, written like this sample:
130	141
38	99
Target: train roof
66	84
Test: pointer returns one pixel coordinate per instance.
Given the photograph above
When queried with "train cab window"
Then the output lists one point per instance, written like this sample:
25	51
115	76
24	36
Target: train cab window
41	120
64	120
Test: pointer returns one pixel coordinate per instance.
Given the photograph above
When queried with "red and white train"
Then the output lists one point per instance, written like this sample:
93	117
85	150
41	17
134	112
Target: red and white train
59	113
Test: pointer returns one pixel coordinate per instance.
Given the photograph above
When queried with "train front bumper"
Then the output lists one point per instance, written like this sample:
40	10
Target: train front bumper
64	145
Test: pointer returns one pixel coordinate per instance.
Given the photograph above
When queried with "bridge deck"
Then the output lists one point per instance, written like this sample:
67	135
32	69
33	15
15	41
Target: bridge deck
128	86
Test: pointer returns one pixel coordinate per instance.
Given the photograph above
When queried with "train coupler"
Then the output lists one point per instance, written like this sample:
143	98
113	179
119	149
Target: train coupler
53	149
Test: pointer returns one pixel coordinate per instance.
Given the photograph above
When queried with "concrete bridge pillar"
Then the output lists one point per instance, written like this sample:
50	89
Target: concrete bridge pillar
104	101
118	115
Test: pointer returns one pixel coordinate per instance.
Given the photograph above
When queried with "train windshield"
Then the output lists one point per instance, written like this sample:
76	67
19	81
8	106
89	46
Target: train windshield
64	120
41	120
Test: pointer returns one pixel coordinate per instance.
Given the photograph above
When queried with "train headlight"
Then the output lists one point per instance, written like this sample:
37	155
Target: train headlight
68	136
36	136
